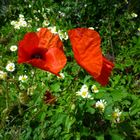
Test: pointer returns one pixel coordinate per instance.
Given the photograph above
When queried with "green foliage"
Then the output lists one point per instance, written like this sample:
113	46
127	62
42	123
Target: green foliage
26	115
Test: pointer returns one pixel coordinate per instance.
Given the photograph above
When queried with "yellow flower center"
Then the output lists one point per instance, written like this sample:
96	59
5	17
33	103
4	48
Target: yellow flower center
11	68
101	107
84	93
115	115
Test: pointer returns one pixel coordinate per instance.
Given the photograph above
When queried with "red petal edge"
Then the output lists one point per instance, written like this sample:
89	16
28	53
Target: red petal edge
107	67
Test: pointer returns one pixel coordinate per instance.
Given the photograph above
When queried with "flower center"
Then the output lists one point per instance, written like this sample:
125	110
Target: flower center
84	93
37	56
10	68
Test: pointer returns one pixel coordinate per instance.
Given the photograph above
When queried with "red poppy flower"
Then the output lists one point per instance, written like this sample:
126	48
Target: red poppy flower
49	98
43	50
86	47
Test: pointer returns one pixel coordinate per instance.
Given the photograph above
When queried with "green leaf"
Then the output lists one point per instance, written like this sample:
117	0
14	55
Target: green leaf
55	87
91	110
77	136
117	137
84	131
59	119
100	137
68	123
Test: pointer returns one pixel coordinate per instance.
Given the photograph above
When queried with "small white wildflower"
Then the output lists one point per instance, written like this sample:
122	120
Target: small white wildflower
84	87
38	29
30	5
13	22
3	75
84	92
134	15
20	23
45	23
49	74
10	67
61	13
100	105
116	115
17	25
63	35
23	23
13	48
53	29
85	5
60	34
91	28
36	18
21	16
23	78
62	76
94	89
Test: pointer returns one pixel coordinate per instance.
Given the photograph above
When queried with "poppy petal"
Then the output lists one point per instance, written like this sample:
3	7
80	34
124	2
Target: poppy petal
57	60
48	39
27	46
43	50
54	61
105	72
86	48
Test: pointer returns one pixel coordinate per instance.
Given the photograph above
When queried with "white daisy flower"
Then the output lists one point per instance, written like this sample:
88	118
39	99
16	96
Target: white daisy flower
62	76
10	67
13	48
100	105
45	23
38	29
116	115
17	25
21	16
23	78
3	75
30	5
134	15
53	29
91	28
94	89
84	87
63	35
84	92
23	23
61	13
13	22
